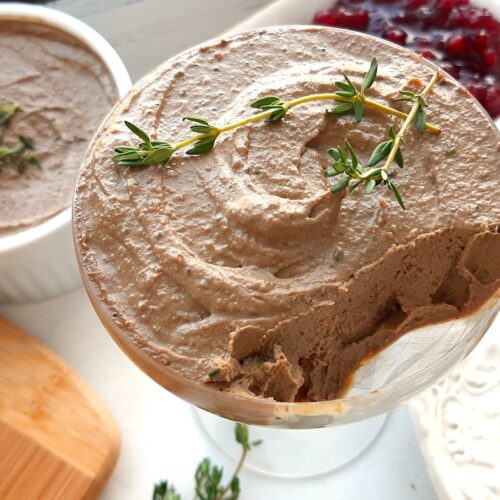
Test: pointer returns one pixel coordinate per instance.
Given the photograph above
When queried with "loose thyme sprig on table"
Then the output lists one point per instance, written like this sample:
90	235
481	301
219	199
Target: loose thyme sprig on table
16	155
208	477
273	109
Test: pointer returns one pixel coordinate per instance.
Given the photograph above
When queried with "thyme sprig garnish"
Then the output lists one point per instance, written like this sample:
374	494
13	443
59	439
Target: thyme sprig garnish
351	99
346	163
354	99
16	155
147	153
208	477
273	109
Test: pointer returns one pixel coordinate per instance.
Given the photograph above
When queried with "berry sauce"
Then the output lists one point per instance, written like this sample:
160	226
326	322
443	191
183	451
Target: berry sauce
464	40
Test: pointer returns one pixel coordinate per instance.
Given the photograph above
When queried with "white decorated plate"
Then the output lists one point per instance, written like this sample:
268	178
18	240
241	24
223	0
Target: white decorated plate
458	419
458	425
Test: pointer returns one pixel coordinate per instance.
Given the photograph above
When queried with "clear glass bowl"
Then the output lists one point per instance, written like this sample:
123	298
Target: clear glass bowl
410	365
405	368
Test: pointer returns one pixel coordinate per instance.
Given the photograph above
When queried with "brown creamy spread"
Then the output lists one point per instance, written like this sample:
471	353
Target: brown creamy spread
241	263
64	90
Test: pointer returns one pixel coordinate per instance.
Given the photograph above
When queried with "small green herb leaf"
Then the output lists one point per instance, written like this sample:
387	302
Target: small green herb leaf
399	158
139	133
339	167
342	109
420	120
331	173
346	78
7	112
340	185
397	194
235	488
241	435
266	101
407	95
358	110
354	186
271	103
354	158
26	141
158	156
370	172
370	185
338	254
370	75
202	127
380	152
201	147
277	115
334	153
342	154
195	119
345	87
344	93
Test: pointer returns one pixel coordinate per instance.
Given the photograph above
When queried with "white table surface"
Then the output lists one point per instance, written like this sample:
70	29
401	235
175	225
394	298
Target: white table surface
160	438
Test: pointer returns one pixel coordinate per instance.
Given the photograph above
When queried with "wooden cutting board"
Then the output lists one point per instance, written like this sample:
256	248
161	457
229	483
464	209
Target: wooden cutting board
57	440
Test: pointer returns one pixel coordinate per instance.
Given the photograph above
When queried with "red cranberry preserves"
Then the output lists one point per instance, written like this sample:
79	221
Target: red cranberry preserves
463	39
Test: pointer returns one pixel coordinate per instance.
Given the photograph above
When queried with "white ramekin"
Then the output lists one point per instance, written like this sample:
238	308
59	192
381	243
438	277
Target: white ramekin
39	263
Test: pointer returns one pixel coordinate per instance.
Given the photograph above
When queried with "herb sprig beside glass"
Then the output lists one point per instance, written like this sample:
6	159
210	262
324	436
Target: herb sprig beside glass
208	477
350	99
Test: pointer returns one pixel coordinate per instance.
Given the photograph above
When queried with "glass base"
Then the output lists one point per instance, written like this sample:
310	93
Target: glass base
294	453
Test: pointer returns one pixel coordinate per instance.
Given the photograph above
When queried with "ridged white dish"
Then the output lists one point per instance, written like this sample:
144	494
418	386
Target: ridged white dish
38	263
458	425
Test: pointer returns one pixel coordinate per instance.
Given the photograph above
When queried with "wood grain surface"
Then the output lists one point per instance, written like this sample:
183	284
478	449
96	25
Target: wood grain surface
57	440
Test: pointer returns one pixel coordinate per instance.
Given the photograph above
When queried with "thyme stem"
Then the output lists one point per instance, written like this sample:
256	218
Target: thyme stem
236	472
407	123
291	104
369	102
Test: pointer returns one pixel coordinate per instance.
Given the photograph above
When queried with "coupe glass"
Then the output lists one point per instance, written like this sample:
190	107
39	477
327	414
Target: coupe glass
309	438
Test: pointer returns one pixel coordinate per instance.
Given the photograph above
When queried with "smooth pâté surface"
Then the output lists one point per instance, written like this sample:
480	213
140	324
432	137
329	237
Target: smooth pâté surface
242	263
